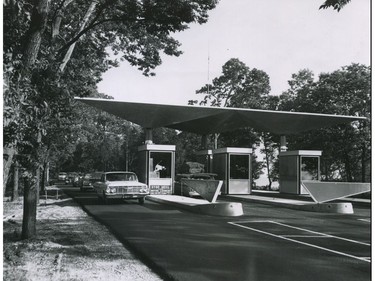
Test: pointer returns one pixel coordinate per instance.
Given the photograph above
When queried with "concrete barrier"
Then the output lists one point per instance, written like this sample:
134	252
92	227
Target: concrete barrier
200	206
322	192
340	208
208	189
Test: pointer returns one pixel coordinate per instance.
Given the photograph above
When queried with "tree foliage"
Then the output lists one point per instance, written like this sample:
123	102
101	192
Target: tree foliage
57	49
335	4
240	87
100	142
38	35
346	148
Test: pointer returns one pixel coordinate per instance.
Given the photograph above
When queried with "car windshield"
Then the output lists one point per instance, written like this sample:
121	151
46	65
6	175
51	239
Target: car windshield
121	177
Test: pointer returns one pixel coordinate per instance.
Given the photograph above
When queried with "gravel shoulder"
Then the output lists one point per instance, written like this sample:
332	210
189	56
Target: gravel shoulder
70	245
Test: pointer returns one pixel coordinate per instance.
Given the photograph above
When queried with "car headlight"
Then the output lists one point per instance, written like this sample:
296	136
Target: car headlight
111	189
144	190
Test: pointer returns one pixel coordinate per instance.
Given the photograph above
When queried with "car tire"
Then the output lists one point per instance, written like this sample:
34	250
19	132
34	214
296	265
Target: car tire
141	200
106	200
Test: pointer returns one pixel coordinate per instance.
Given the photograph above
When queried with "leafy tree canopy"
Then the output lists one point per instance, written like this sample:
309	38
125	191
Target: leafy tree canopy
335	4
57	49
346	148
238	86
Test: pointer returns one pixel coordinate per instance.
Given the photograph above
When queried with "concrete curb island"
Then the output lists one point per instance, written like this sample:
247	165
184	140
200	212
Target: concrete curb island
200	206
303	205
233	209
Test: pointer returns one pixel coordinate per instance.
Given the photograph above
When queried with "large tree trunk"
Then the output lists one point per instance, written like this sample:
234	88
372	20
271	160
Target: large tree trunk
37	26
15	182
8	155
37	185
29	209
44	177
56	21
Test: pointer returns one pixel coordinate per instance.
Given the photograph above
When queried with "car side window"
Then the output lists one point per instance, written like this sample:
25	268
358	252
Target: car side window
102	179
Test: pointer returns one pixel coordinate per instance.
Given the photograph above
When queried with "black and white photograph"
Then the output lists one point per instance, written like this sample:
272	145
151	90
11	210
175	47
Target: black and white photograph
187	140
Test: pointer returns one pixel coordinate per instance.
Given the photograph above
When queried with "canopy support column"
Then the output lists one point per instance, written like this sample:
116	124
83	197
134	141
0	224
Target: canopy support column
148	137
283	146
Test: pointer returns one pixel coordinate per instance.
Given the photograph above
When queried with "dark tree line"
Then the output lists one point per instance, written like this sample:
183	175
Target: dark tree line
347	91
57	49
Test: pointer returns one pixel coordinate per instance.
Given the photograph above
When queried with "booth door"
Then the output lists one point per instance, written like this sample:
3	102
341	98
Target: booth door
289	174
239	174
309	170
161	167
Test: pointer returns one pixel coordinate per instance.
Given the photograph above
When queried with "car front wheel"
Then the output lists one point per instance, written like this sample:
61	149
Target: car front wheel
105	199
141	200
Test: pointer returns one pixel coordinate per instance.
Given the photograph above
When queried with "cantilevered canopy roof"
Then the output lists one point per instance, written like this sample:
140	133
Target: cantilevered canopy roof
207	120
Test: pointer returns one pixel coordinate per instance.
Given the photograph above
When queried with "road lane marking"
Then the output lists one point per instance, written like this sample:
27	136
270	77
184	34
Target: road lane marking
303	243
306	230
306	236
323	234
366	220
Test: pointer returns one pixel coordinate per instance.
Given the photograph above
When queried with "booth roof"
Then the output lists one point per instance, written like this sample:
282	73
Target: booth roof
207	120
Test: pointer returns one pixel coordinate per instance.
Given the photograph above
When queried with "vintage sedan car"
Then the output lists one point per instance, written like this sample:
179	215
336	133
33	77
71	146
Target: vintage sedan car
87	181
76	179
70	177
120	185
62	176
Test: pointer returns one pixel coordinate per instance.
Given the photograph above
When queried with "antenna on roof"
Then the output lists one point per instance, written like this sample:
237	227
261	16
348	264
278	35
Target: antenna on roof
208	69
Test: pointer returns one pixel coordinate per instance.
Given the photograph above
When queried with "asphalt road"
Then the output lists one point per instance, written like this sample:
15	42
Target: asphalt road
267	243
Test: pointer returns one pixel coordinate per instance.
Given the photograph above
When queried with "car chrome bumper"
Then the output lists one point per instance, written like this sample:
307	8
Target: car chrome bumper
125	196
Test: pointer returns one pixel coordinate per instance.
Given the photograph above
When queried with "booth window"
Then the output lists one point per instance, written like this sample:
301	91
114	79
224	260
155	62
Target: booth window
160	164
309	168
239	166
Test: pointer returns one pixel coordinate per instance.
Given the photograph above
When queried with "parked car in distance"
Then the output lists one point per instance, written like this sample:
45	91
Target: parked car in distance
76	179
120	185
87	181
70	177
62	176
184	190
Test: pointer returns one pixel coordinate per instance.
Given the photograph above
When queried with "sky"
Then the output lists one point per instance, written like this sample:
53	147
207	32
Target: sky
279	37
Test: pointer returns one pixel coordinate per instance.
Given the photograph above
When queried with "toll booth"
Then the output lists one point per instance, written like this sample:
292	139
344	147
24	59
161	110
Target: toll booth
157	167
233	166
296	166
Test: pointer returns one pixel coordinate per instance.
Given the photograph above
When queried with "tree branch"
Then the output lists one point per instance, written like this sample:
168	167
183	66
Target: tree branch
82	27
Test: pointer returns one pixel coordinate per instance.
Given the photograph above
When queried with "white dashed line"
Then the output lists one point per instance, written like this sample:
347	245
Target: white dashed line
320	235
306	236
